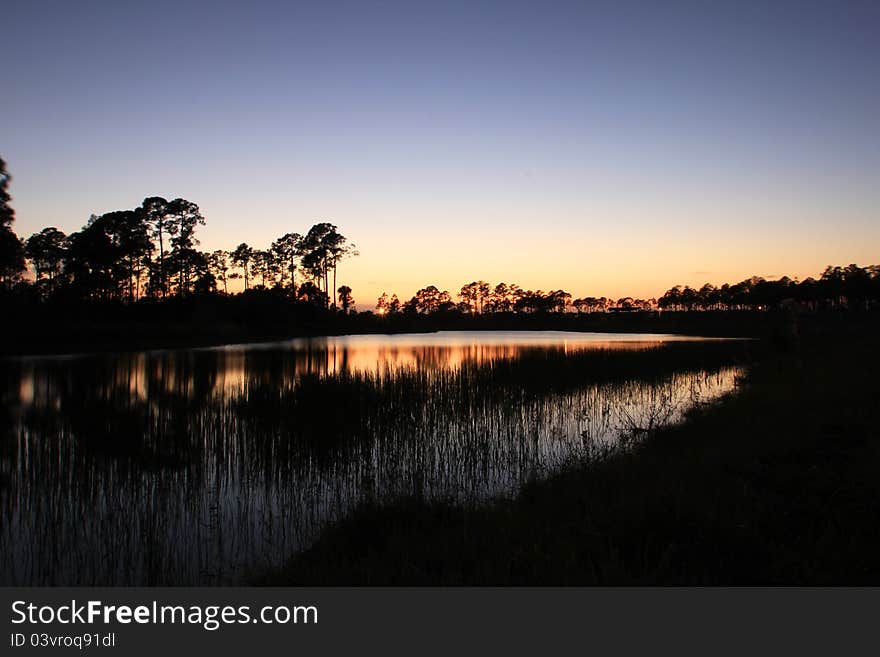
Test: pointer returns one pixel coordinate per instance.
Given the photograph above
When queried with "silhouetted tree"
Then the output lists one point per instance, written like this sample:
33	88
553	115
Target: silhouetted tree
386	306
323	247
315	253
430	300
501	299
591	304
91	261
286	250
468	296
345	298
46	251
218	265
11	249
202	277
529	301
161	228
258	267
474	296
185	216
241	258
7	214
382	304
129	235
338	248
313	295
839	287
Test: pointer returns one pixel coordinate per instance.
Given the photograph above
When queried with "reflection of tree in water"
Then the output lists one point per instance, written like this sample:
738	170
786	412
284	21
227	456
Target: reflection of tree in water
188	467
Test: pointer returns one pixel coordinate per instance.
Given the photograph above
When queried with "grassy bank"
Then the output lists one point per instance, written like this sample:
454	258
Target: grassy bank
776	485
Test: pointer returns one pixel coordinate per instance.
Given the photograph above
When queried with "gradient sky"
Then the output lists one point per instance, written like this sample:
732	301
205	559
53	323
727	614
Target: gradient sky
610	148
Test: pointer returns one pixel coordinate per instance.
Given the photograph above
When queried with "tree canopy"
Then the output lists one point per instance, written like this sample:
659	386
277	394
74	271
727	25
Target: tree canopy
12	258
151	252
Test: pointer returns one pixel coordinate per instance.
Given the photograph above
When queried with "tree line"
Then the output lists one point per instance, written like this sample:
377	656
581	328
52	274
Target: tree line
151	252
850	287
480	298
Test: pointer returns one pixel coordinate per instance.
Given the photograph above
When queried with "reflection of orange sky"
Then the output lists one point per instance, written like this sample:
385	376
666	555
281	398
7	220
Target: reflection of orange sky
146	374
444	350
450	350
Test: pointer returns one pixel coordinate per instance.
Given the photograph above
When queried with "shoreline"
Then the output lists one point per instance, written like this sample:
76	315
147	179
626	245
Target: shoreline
77	335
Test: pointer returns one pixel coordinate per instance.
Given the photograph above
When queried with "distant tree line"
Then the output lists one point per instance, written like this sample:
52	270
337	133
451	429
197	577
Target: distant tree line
850	287
481	298
150	252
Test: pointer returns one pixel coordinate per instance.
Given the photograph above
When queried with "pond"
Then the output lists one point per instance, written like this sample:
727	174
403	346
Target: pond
203	466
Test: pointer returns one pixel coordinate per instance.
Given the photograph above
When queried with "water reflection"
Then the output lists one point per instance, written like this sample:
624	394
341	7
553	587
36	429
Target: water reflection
194	467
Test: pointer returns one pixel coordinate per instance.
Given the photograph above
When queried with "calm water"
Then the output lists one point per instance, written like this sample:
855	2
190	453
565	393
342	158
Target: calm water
201	466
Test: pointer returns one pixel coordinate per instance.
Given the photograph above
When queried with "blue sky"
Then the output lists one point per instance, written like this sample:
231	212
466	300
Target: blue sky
606	147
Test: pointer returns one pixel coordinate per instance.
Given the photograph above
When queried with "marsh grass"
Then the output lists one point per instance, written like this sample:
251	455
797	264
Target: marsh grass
774	485
201	467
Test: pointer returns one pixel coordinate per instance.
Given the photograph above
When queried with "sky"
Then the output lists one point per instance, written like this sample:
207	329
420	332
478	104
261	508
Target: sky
608	148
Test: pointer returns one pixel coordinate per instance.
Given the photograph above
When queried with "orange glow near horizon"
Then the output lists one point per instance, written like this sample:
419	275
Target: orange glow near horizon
610	246
640	268
607	248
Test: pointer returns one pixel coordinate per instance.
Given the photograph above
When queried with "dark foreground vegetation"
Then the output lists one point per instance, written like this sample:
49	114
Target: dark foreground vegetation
775	485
